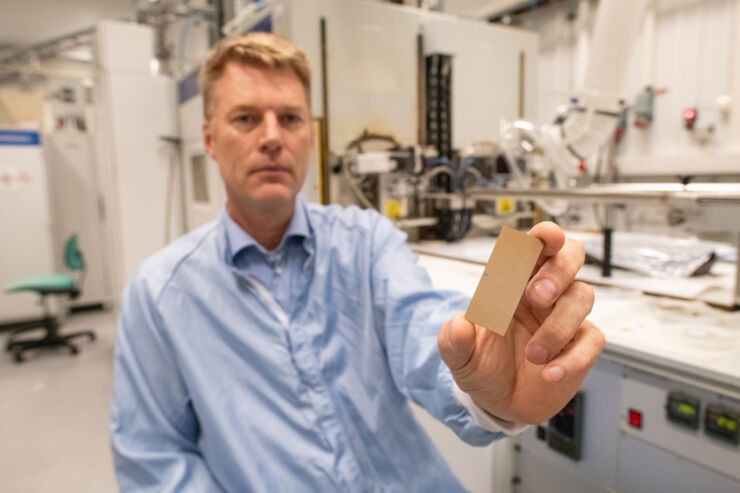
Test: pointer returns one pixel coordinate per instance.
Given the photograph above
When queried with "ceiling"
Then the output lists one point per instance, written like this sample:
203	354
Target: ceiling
466	7
28	22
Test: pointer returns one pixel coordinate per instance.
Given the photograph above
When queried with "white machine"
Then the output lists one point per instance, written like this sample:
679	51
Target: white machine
136	160
26	248
660	412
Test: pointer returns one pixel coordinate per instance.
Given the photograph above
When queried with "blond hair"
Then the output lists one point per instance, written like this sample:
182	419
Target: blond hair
260	50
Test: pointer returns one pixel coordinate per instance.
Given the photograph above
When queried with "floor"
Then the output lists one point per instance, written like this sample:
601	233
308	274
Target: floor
54	414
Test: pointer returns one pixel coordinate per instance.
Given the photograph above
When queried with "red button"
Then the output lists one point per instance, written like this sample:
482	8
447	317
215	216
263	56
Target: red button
635	419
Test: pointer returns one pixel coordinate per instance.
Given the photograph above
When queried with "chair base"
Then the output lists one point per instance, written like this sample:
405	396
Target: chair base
51	339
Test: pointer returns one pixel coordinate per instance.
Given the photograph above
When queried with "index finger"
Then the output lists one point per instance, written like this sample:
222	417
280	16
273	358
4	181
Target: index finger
555	270
552	237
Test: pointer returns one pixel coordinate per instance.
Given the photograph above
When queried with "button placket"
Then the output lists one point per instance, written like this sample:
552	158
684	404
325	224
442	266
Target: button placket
308	362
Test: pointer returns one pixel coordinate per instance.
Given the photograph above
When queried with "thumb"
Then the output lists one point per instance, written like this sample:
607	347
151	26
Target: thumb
456	342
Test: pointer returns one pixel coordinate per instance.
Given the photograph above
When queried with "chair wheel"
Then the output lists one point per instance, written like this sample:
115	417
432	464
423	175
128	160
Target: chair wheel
91	336
18	356
73	350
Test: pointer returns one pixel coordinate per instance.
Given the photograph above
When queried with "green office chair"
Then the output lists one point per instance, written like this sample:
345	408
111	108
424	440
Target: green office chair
50	285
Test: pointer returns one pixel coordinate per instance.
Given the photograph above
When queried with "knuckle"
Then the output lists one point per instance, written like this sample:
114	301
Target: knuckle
578	359
564	266
585	361
582	292
600	339
556	271
559	331
580	250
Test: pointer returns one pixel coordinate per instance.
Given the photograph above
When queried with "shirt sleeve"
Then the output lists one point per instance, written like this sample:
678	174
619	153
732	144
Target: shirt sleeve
408	313
486	420
153	428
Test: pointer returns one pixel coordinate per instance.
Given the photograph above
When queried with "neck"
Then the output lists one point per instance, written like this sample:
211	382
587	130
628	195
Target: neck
266	227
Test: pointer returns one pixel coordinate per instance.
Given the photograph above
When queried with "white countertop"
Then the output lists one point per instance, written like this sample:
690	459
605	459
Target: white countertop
717	288
683	337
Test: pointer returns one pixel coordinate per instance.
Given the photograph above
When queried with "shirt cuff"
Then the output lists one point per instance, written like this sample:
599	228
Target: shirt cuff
484	419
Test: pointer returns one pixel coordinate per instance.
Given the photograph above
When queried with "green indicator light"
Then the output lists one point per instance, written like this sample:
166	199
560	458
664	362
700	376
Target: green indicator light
686	409
727	423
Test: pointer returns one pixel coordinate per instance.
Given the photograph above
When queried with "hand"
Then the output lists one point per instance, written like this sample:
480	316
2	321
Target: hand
531	373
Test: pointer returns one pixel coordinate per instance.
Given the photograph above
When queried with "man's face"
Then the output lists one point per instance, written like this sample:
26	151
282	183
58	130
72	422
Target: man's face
260	134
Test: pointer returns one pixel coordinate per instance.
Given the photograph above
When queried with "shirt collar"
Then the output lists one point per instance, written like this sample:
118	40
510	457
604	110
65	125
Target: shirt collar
238	239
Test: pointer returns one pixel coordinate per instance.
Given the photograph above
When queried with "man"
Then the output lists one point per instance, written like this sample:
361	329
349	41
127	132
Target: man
275	348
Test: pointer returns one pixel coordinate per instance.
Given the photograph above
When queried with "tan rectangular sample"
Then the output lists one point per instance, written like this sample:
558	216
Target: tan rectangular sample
503	281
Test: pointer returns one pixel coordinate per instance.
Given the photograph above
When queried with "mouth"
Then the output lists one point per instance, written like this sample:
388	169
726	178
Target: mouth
271	169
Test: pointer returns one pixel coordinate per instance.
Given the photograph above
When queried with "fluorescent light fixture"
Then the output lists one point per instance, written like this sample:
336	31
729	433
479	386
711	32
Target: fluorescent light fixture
80	55
523	125
154	66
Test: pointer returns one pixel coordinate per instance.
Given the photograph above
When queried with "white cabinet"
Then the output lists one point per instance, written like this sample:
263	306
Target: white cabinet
26	246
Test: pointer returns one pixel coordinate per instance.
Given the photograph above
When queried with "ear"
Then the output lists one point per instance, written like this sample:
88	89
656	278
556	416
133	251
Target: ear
208	139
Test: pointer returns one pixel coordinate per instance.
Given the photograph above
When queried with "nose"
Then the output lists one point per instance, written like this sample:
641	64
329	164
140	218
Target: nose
271	141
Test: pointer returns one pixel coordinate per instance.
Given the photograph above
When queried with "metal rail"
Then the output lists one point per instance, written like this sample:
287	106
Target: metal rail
704	195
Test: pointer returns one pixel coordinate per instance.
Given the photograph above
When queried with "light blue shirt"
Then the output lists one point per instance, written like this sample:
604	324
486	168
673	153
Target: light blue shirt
278	270
239	370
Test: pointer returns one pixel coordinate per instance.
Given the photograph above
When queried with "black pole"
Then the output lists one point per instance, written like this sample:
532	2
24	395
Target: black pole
606	264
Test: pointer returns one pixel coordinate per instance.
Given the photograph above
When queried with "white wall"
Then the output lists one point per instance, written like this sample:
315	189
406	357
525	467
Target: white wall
696	50
372	68
372	71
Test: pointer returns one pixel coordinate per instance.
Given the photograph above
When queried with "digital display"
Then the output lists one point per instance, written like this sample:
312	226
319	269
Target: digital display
564	433
683	409
722	423
687	409
564	421
727	423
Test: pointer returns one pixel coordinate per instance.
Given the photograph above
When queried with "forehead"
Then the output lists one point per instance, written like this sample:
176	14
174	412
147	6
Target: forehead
241	84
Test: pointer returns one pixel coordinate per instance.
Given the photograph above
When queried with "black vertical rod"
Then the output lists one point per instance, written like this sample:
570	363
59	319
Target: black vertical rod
606	265
421	134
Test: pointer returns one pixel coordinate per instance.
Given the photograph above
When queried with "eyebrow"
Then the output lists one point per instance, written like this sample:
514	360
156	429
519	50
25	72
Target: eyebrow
247	107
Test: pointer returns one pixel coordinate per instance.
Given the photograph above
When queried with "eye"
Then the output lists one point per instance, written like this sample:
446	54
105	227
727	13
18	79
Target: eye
289	119
246	118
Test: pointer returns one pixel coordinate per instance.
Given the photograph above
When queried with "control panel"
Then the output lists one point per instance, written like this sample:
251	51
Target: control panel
566	427
691	422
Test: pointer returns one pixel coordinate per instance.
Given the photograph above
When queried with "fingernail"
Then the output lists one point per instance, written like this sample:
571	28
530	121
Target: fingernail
537	354
554	373
545	289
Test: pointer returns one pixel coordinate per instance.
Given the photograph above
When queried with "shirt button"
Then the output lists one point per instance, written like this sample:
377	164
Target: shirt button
278	270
